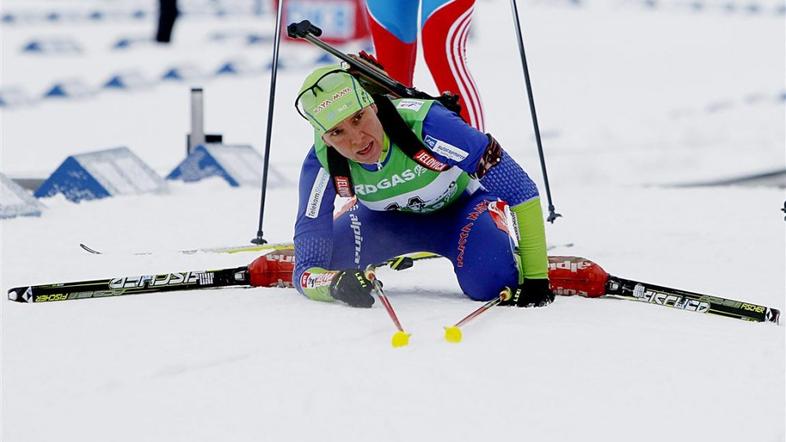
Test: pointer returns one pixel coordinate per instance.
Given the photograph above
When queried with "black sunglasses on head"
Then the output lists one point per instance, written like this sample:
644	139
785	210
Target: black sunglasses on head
312	88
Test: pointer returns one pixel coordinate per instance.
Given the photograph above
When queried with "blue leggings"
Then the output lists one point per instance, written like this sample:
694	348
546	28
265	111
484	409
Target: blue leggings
465	233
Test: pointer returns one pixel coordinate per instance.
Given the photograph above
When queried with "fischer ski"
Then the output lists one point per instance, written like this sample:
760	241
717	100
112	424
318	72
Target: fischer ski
131	285
689	301
165	282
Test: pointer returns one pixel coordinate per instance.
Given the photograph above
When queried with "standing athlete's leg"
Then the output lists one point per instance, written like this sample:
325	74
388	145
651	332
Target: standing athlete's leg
394	29
445	26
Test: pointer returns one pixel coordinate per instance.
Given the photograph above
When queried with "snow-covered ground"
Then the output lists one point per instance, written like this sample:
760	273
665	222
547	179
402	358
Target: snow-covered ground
629	99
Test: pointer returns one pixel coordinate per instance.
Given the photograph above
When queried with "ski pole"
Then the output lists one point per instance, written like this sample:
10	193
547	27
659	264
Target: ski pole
259	239
552	214
453	333
400	338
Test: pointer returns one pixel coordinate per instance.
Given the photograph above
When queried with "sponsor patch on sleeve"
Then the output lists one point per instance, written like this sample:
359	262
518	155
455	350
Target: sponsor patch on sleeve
317	192
413	105
447	150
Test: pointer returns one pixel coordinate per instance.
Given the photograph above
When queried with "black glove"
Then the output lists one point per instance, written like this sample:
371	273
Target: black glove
352	286
532	293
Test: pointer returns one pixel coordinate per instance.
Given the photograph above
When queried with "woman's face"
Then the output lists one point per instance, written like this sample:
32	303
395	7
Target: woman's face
358	137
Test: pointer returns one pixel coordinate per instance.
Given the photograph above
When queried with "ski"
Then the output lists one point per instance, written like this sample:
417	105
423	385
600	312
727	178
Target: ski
131	285
239	277
246	248
225	249
165	282
689	301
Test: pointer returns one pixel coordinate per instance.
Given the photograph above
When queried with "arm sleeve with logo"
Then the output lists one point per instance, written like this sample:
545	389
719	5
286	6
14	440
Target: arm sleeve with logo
457	143
314	230
453	141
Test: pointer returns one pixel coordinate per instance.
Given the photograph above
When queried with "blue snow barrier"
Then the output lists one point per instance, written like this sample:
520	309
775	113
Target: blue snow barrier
101	174
68	88
115	82
127	42
172	74
56	91
282	65
227	68
16	201
239	165
51	45
183	73
122	43
255	39
127	80
235	67
33	46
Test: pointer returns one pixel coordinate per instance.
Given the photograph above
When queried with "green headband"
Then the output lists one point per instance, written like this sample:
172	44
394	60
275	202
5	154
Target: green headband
328	96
